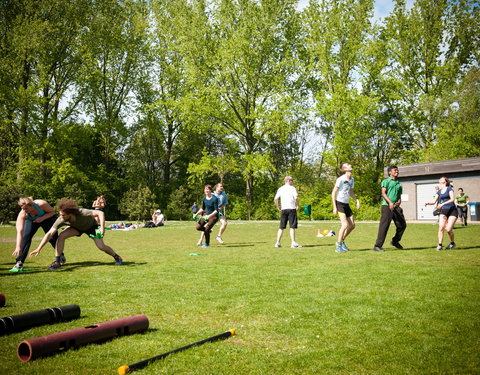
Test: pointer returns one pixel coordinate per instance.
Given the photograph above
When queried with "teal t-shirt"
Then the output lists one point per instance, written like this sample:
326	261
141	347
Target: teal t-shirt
394	190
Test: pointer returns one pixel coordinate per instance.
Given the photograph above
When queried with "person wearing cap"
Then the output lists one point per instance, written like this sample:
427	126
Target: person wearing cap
158	218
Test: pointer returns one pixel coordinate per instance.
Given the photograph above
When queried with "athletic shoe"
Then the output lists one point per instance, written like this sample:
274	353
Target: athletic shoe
17	267
278	244
344	246
451	246
378	249
199	243
54	266
397	245
339	248
118	261
219	239
205	245
439	247
63	260
296	246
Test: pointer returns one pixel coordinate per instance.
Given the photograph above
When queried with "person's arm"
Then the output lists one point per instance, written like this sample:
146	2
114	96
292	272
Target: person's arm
44	241
433	202
352	194
101	219
20	225
49	212
385	196
276	204
334	198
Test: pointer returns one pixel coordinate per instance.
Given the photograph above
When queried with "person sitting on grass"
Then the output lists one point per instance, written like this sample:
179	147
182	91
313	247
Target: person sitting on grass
33	215
79	221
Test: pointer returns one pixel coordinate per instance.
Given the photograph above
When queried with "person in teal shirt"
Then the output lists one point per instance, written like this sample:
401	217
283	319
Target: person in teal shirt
461	201
391	210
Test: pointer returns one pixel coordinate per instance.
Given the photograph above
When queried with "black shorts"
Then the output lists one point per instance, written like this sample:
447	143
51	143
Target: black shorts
289	216
452	211
90	231
462	211
344	208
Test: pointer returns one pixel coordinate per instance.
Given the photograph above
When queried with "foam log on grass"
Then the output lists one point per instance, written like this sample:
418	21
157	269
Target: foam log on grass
41	346
21	322
122	370
2	300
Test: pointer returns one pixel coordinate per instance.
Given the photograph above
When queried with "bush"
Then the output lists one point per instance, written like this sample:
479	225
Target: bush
138	204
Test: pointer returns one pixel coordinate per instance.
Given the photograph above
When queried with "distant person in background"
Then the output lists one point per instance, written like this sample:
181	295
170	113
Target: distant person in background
461	200
341	193
99	204
391	191
34	213
194	208
445	202
79	221
158	218
289	205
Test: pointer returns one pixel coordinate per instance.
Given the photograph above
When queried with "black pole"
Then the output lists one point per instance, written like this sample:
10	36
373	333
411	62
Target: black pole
122	370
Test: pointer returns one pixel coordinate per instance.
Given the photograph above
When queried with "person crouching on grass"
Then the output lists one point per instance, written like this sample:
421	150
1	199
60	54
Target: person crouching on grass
341	193
210	209
79	221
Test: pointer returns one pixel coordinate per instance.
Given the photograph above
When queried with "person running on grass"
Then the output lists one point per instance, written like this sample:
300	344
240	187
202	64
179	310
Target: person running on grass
222	203
445	202
289	200
79	221
341	193
210	210
34	213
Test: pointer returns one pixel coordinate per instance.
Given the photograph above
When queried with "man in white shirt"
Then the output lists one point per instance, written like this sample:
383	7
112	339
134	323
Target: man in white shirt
289	205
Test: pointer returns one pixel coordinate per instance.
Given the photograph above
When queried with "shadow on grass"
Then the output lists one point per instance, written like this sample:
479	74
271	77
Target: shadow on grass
68	267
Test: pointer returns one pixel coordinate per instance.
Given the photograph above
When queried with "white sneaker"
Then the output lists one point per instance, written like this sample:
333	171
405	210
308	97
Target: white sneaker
199	243
296	245
278	244
219	239
439	247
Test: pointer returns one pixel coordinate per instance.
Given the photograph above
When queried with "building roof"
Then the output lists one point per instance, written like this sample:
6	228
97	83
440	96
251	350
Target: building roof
439	167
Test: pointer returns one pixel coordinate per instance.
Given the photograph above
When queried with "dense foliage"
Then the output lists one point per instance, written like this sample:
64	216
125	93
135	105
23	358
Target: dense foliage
124	97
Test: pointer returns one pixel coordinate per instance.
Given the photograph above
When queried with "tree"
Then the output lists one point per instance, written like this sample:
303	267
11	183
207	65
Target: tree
138	204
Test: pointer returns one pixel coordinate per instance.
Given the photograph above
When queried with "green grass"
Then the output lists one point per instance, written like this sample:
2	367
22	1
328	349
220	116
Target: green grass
296	311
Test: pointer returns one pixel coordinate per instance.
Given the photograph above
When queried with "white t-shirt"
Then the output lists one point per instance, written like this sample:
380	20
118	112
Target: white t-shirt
288	196
344	186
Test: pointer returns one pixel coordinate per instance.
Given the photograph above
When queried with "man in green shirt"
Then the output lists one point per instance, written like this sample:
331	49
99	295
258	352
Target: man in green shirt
461	200
79	221
391	210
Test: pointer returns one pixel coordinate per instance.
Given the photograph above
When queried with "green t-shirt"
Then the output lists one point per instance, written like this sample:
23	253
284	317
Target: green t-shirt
394	190
82	222
461	199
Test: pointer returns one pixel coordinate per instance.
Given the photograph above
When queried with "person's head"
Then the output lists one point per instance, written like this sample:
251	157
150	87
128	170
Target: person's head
345	167
444	181
67	208
25	202
219	187
460	191
158	211
207	189
288	180
392	171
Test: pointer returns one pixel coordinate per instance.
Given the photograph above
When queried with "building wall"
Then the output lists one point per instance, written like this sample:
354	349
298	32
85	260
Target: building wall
470	182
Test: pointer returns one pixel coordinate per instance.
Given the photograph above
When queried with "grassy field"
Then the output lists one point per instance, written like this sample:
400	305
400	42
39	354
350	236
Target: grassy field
296	311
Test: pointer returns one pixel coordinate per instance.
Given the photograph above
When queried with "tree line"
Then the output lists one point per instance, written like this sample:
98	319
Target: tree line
147	100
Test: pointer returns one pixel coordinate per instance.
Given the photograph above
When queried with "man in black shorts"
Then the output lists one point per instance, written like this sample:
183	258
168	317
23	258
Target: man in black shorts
289	200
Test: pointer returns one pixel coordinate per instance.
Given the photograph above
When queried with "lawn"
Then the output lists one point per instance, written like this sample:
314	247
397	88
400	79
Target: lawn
296	311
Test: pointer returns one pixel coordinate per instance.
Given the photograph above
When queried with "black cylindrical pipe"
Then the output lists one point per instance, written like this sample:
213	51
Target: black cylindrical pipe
2	300
20	322
40	346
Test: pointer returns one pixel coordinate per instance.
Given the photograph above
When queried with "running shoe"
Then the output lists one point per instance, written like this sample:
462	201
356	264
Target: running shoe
278	244
451	246
295	246
439	247
199	243
118	261
339	248
205	245
63	260
344	246
219	239
17	267
54	266
397	245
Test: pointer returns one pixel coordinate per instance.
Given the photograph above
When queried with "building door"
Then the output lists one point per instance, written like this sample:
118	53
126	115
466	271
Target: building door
425	193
